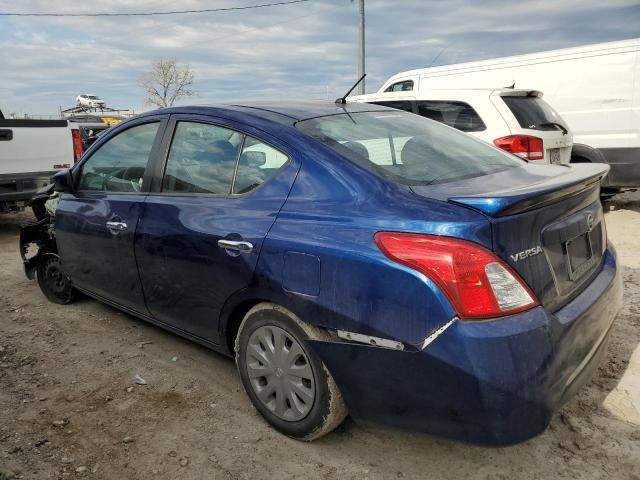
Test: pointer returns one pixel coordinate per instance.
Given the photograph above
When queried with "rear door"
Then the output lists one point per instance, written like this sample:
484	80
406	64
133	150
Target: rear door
219	192
95	226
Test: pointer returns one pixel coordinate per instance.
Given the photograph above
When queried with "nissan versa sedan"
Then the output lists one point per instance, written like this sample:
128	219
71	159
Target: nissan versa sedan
353	258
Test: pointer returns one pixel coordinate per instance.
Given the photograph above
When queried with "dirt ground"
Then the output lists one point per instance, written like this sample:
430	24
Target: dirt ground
69	407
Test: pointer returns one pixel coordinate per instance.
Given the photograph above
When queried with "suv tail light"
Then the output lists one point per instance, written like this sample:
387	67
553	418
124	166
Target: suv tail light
78	144
477	283
524	146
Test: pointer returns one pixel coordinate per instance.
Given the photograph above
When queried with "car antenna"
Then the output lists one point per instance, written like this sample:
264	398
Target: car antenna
343	100
512	86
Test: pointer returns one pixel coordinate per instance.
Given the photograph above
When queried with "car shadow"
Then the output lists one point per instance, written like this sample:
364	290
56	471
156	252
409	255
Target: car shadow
10	222
623	201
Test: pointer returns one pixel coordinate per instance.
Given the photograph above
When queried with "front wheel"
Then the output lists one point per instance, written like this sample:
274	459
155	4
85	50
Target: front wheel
52	280
286	381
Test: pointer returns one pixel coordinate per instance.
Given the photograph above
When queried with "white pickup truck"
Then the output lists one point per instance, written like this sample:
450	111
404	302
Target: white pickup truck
31	151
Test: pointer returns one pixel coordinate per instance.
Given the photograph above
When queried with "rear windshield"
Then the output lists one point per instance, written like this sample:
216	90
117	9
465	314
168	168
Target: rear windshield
407	148
534	113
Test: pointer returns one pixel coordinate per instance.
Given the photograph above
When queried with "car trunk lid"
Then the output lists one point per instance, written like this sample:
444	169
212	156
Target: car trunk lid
548	224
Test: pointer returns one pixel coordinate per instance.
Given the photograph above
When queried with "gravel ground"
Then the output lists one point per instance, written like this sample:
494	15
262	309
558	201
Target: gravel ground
69	407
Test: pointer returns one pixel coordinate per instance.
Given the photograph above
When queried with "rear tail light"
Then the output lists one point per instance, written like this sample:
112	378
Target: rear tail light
78	145
524	146
477	283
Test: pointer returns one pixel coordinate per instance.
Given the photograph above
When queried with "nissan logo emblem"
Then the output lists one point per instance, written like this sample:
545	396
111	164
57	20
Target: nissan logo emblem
589	221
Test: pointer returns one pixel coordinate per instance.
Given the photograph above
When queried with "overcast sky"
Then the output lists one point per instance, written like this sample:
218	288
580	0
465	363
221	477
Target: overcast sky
305	50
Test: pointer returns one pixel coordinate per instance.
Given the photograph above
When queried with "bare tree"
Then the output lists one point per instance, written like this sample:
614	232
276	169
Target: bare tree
167	82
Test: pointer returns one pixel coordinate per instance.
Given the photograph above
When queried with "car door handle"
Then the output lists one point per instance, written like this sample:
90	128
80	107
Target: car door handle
116	227
242	247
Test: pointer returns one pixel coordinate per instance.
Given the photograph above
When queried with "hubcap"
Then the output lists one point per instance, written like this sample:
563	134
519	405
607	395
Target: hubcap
280	373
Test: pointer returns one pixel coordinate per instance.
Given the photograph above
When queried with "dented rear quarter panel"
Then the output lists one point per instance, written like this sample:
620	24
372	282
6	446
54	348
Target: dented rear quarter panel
329	219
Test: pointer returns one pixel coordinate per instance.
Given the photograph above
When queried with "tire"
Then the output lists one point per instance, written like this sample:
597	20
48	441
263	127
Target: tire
55	285
608	193
311	404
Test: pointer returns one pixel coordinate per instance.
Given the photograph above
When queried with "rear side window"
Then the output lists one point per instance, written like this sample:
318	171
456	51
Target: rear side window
258	163
534	113
407	148
120	163
404	86
398	104
202	159
458	115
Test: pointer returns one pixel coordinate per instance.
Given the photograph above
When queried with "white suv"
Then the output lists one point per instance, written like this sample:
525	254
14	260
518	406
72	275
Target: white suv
518	121
88	100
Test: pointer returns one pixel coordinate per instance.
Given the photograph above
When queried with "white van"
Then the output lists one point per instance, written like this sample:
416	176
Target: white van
518	121
595	88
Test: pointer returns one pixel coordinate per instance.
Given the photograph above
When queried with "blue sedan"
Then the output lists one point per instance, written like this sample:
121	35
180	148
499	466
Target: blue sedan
354	259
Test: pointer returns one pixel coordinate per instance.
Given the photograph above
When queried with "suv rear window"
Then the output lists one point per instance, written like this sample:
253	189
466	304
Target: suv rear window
406	148
534	113
458	115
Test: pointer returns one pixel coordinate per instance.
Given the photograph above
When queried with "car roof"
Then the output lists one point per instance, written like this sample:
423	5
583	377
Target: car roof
283	112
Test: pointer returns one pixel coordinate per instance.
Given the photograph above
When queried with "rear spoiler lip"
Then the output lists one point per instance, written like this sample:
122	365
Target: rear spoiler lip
503	203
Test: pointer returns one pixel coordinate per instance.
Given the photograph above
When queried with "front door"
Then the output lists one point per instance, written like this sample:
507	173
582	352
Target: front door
95	225
201	232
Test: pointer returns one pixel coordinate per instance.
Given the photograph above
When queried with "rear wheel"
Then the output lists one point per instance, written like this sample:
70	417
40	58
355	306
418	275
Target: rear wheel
53	282
286	381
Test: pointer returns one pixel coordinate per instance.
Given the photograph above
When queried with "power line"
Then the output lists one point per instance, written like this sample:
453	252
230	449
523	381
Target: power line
148	14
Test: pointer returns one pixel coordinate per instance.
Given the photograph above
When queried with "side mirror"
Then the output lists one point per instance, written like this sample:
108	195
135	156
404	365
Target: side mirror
63	181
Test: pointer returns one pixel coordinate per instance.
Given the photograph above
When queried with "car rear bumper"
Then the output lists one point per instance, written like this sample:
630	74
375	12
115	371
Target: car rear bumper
492	382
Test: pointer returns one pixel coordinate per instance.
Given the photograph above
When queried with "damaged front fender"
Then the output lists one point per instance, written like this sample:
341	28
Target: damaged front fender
36	239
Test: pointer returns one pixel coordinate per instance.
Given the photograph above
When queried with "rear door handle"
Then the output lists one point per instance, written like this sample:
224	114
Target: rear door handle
6	135
116	227
242	247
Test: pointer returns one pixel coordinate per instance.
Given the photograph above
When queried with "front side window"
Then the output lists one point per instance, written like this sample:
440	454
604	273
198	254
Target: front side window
404	86
407	148
119	164
202	159
258	163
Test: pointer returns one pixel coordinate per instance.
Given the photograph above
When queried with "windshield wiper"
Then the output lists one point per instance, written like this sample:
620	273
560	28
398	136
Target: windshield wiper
555	124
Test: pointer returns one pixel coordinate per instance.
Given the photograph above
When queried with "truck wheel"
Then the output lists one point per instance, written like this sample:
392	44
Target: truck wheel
53	282
286	381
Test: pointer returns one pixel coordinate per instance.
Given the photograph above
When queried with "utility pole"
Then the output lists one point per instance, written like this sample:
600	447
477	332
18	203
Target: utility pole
361	49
